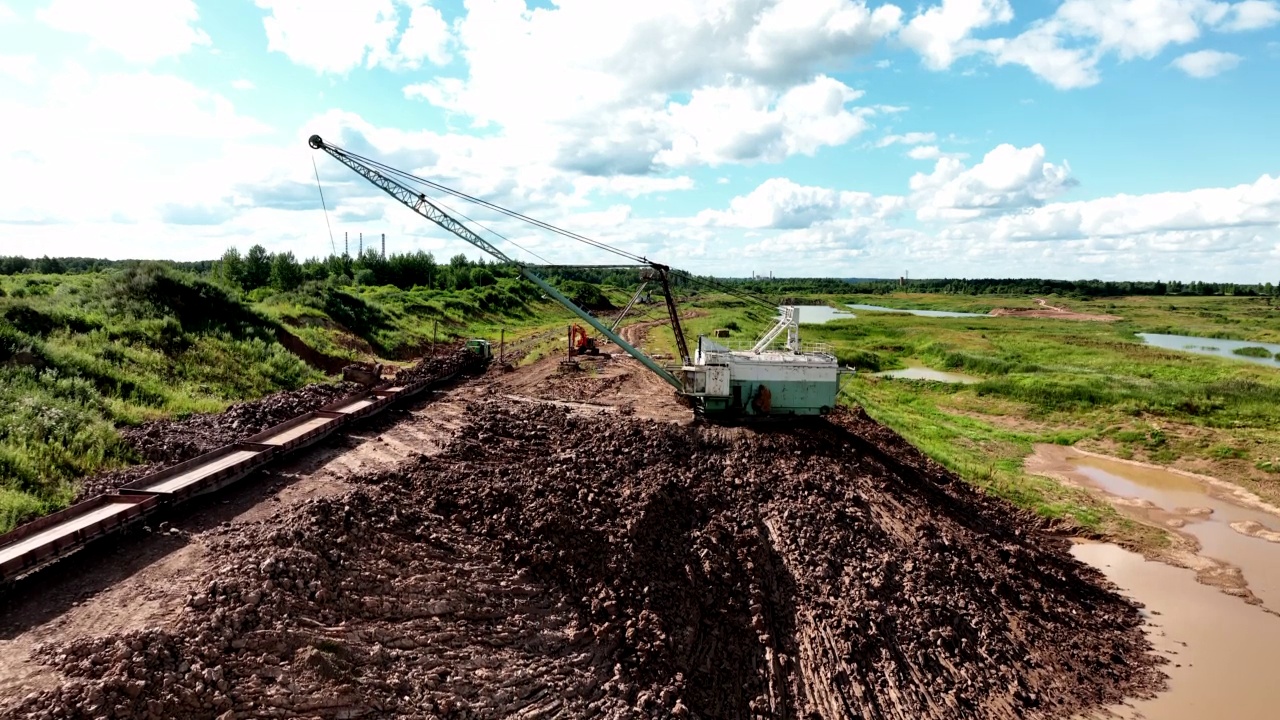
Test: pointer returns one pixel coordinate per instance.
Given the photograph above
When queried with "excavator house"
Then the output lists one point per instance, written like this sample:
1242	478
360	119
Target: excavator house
763	380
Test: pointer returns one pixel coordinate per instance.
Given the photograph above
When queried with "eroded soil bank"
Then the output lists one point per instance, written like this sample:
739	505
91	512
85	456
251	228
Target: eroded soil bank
547	563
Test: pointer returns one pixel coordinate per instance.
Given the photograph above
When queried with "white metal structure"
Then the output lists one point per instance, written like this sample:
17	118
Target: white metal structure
792	380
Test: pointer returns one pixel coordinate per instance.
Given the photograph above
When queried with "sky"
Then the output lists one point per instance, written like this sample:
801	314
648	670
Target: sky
1110	139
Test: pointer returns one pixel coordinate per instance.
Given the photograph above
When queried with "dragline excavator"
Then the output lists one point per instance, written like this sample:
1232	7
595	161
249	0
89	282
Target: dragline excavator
720	381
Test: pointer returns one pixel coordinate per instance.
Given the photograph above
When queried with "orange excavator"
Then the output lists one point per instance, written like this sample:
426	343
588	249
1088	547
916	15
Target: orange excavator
580	343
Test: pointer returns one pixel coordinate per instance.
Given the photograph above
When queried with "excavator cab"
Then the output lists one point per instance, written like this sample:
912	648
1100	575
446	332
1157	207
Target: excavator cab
580	343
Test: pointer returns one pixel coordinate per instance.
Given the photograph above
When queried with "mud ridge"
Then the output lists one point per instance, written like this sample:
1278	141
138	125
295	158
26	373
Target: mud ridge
549	564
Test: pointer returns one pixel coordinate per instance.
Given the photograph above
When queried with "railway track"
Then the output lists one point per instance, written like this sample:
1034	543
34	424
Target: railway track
36	544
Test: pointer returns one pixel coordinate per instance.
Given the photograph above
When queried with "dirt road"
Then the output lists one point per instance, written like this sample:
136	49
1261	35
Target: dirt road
485	555
1054	312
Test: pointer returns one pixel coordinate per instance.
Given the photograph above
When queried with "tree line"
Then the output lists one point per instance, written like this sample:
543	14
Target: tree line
1003	286
259	268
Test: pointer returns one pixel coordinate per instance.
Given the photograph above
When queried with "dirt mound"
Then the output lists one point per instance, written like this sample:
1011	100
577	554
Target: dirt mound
162	443
550	564
456	359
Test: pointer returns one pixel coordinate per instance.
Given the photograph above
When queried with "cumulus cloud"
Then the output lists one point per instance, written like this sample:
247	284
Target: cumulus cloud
1188	215
1206	63
1007	179
942	33
149	31
1251	15
781	203
633	88
745	123
1066	47
353	33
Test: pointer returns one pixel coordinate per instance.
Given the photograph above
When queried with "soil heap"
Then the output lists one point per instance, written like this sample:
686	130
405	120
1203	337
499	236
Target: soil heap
162	443
553	564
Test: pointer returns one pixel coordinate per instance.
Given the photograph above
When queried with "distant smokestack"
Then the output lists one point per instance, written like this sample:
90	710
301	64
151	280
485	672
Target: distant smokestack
384	246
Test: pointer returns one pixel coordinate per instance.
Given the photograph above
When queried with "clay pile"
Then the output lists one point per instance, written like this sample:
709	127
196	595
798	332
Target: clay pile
549	564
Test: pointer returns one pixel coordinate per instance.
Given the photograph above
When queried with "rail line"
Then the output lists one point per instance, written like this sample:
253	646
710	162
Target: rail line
40	542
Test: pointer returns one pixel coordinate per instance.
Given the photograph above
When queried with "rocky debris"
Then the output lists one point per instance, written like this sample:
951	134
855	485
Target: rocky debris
161	443
548	564
457	359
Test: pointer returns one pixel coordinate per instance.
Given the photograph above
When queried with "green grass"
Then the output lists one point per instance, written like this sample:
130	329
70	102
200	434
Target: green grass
1253	351
81	355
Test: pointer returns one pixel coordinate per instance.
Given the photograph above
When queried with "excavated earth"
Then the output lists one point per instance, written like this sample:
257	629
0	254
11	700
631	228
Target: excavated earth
554	563
162	443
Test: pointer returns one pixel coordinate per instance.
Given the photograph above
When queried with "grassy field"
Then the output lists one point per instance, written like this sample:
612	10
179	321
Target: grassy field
83	354
1092	384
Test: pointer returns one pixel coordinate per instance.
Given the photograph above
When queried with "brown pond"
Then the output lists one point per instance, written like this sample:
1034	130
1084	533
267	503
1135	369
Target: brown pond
1223	654
1229	523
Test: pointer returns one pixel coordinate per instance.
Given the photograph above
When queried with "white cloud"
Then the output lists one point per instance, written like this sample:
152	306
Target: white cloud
941	33
924	152
1007	179
1251	15
7	14
148	31
141	146
1179	217
783	204
427	37
882	64
243	84
347	35
745	123
911	138
1206	63
614	87
1066	47
21	68
797	33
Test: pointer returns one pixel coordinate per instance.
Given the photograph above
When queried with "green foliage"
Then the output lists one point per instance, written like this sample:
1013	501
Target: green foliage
257	268
1226	452
286	273
1253	351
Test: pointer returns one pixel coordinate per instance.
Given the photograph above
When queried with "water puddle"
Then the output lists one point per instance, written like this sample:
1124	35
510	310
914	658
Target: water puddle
1214	346
1231	525
1221	652
924	373
921	313
819	314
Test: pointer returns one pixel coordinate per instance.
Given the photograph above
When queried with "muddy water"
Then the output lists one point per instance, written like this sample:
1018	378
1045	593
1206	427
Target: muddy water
1222	653
924	373
1208	517
819	314
1211	346
921	313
